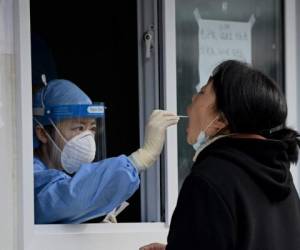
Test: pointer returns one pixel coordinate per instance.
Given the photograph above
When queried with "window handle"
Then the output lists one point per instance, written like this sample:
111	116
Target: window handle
148	44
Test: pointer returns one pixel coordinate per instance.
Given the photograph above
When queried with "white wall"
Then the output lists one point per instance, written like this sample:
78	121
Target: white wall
7	149
8	192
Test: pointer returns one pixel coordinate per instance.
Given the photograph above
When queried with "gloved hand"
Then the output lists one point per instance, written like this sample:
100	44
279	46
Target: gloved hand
155	135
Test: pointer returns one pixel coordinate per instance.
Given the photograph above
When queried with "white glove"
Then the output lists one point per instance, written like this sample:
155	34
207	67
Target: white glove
155	135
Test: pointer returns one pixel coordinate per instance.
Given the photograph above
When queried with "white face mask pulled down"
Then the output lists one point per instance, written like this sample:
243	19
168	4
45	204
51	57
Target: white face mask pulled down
78	150
202	137
203	140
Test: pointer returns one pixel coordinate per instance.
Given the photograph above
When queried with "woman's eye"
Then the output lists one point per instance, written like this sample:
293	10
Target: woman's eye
78	128
94	129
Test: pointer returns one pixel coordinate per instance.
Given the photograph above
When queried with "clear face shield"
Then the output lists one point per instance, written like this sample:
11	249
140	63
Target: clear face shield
75	135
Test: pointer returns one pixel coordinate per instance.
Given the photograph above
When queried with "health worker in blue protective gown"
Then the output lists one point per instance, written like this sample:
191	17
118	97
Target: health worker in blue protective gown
68	186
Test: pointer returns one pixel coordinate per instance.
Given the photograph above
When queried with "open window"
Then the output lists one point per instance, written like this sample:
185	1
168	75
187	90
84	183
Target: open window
96	48
113	55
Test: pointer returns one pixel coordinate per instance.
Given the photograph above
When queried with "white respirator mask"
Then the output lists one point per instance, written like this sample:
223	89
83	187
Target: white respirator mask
78	150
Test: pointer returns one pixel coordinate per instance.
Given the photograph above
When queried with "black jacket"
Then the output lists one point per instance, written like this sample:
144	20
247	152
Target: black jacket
239	196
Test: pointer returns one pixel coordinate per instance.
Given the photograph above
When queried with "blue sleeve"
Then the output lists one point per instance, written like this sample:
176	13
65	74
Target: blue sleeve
95	190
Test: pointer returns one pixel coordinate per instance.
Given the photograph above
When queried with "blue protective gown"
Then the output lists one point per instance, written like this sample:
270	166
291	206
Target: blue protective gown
95	190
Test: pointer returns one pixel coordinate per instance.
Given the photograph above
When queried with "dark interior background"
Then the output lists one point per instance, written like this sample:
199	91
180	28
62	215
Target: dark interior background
95	46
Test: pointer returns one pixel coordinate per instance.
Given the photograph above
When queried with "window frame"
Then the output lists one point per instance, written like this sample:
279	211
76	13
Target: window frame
91	236
292	64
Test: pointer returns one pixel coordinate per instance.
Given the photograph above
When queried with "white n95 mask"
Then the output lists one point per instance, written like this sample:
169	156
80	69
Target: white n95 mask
79	150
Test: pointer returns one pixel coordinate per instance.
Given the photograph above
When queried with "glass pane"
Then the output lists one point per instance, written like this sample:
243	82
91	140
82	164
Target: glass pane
209	31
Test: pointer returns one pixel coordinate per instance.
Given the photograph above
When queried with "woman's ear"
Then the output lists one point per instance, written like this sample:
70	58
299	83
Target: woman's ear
221	123
41	135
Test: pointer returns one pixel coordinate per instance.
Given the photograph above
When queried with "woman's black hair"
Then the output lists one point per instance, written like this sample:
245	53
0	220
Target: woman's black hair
50	130
253	103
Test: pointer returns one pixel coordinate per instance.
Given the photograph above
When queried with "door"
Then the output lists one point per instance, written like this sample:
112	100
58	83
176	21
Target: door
208	32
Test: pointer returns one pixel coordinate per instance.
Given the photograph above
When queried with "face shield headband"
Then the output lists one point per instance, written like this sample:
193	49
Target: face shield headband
60	112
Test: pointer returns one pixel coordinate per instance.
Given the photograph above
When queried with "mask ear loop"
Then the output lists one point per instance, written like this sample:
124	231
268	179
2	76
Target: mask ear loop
47	134
211	123
58	131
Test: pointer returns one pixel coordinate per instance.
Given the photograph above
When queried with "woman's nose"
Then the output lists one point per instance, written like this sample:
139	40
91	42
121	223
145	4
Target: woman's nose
188	109
193	97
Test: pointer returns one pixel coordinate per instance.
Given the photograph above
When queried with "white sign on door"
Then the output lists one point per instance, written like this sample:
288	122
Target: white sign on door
219	41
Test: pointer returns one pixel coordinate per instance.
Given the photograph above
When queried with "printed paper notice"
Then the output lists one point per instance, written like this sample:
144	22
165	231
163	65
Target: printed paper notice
219	41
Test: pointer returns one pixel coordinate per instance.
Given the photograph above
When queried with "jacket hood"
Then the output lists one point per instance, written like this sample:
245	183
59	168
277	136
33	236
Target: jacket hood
265	161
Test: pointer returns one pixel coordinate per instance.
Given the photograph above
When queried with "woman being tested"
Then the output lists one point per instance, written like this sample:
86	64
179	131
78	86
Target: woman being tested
240	193
68	186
